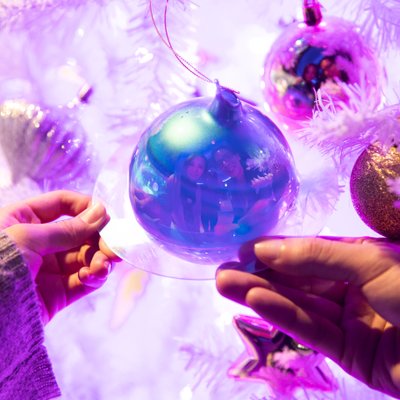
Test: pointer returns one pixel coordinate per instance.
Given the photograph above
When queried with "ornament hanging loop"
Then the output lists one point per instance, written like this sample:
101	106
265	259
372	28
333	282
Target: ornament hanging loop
312	12
83	96
226	106
167	41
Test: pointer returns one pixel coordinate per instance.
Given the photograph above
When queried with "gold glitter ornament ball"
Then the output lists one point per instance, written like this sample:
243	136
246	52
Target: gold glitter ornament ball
370	193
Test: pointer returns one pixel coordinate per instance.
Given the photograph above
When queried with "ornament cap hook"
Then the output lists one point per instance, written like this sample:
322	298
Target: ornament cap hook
312	12
226	106
83	96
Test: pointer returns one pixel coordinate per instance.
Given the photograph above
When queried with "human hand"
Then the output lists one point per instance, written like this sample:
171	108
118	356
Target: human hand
67	258
339	297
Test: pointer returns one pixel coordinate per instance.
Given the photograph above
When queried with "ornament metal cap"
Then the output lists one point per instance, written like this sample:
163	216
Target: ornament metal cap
226	106
83	96
312	12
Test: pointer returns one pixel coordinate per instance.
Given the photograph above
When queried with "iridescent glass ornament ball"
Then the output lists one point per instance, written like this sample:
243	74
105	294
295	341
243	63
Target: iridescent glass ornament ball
210	174
48	145
370	193
319	53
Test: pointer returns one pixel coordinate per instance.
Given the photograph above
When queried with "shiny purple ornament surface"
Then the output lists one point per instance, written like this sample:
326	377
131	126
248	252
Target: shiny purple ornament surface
320	53
210	174
273	357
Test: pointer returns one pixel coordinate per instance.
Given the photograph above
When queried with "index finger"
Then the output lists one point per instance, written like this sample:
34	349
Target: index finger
234	283
50	206
357	262
107	251
246	250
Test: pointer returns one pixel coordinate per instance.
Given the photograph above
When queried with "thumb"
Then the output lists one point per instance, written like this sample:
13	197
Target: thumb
352	260
70	233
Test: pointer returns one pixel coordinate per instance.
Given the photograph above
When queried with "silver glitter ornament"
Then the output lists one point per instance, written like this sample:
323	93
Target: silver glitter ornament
48	145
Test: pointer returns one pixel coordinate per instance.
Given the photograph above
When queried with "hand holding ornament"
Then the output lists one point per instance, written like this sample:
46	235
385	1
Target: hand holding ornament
67	259
338	296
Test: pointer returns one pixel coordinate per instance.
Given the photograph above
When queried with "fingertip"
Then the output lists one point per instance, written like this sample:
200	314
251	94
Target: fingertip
83	275
269	251
251	266
109	253
100	266
84	282
228	265
228	274
223	280
90	280
234	284
76	286
95	215
246	251
255	296
103	270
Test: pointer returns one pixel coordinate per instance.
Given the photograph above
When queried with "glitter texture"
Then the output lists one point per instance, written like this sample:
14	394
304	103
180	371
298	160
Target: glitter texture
371	195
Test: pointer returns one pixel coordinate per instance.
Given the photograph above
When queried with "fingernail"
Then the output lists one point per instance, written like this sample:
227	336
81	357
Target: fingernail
95	213
84	275
269	250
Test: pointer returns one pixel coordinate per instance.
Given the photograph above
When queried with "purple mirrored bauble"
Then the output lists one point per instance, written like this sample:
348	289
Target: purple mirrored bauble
317	55
209	175
47	145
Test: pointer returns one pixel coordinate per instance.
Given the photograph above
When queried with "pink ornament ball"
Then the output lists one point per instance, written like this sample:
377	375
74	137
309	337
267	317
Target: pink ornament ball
306	58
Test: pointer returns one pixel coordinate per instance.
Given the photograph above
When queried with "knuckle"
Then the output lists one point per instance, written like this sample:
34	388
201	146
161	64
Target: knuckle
315	249
16	233
71	231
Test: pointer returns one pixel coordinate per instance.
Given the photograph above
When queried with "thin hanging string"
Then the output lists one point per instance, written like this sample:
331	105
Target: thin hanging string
167	41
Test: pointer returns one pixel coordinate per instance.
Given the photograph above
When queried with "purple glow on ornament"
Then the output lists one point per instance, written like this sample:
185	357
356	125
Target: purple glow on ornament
308	57
273	357
209	175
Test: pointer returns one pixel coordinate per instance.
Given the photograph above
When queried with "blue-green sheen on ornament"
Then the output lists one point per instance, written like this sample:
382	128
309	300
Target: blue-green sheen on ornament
209	175
187	132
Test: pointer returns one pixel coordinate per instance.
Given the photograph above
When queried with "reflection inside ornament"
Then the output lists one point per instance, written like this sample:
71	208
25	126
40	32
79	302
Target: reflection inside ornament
313	70
209	175
306	58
